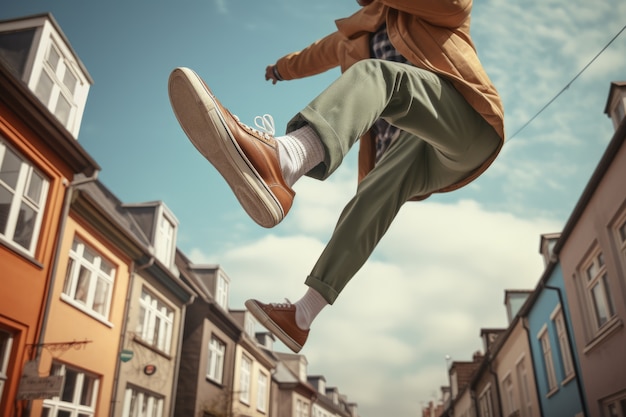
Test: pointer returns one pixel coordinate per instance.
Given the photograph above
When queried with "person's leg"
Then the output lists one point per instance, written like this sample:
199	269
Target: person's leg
444	139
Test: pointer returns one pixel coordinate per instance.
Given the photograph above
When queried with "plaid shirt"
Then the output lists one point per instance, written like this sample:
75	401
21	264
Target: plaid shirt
381	48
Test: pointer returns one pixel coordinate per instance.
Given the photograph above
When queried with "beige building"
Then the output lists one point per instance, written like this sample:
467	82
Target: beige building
513	364
592	251
253	371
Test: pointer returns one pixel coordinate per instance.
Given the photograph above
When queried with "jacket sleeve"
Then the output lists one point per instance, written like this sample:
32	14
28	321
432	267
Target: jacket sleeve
446	13
314	59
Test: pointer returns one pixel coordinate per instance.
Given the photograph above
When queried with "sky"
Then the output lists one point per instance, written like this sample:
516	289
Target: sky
440	273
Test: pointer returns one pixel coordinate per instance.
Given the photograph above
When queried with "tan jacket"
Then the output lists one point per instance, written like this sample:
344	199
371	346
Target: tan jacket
431	34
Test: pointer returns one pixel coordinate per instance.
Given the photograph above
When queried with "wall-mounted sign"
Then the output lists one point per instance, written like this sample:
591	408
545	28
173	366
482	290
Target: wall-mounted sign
149	369
33	387
126	355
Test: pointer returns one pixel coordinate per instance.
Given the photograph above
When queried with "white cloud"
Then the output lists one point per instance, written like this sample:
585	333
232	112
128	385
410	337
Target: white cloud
436	278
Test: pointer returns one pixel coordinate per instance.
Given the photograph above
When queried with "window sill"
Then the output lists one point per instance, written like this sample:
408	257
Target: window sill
604	333
158	351
552	392
85	310
18	250
568	379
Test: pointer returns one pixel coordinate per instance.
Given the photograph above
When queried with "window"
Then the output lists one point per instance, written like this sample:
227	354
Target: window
302	408
165	238
261	393
6	341
221	291
89	280
244	393
138	403
249	324
155	322
485	403
621	239
598	290
23	192
522	377
509	396
215	366
58	86
548	363
615	406
78	394
564	346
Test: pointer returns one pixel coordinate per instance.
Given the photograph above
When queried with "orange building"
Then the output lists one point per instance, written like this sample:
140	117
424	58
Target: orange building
43	90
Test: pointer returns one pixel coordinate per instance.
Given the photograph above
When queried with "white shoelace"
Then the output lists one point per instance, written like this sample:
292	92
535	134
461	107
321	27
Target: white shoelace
286	304
264	125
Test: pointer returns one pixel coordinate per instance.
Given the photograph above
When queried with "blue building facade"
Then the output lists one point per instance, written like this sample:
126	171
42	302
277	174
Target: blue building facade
551	342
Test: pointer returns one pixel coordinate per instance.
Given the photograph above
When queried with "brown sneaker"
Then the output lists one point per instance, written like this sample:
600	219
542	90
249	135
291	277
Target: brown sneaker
280	319
247	158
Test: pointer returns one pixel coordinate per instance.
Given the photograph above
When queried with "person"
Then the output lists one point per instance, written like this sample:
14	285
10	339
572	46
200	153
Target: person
426	115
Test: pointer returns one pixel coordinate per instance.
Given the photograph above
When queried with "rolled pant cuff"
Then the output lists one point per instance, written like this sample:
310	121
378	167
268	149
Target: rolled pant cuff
324	289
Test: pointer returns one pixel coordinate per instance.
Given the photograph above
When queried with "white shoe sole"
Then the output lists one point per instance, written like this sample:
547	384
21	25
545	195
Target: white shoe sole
203	123
268	323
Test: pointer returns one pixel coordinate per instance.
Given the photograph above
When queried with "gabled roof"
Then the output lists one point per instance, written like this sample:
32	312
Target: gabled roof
94	201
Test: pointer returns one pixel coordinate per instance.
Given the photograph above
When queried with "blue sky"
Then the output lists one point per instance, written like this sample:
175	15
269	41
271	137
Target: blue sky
440	273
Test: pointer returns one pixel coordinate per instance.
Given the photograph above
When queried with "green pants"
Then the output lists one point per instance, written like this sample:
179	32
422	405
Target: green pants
443	139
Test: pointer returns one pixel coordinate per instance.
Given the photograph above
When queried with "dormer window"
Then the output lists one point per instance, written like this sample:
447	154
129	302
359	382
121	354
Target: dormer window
165	239
249	325
57	85
37	50
221	290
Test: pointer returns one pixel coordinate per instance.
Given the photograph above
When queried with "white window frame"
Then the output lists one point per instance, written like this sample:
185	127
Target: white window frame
77	98
80	403
6	343
165	239
261	392
245	373
99	272
598	290
221	290
526	405
548	361
620	237
19	196
559	323
215	362
141	403
156	321
249	324
509	394
615	406
485	402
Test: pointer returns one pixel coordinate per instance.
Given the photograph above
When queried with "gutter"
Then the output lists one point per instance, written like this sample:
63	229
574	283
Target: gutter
532	359
55	262
118	362
53	271
581	393
179	348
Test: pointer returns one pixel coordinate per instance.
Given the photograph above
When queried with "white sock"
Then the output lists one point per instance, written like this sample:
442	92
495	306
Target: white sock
308	307
299	152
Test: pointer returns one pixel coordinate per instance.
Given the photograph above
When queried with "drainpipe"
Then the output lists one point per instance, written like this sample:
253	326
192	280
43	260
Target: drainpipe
571	351
495	376
532	359
116	378
179	348
55	263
